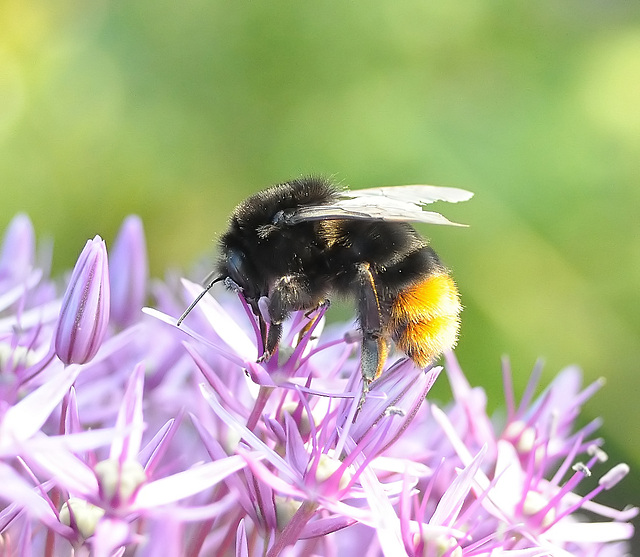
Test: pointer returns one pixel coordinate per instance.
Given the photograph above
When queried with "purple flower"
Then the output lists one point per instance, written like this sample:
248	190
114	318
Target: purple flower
128	272
308	424
121	489
85	306
176	441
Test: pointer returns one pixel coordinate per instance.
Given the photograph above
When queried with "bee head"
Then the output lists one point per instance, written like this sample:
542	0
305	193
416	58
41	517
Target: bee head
237	267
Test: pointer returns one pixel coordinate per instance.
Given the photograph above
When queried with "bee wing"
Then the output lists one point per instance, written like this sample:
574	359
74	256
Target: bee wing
393	203
418	195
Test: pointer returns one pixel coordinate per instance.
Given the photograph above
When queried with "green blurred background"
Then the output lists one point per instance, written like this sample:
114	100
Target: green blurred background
178	110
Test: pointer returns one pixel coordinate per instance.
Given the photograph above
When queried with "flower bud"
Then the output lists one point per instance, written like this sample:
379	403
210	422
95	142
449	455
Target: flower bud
128	272
81	515
17	253
84	315
119	481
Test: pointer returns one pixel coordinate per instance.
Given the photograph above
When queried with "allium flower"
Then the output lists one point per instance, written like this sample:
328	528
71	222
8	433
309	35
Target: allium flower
146	439
85	306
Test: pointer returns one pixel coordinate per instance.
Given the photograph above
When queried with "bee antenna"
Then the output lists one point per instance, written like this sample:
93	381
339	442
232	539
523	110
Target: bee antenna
200	296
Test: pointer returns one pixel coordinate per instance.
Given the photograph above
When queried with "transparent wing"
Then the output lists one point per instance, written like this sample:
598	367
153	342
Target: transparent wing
394	203
421	195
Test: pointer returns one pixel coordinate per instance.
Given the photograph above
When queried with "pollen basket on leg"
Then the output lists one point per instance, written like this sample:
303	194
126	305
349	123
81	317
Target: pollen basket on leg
424	318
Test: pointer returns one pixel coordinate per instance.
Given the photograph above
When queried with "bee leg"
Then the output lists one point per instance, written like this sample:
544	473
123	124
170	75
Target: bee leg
273	340
321	304
290	293
374	344
263	337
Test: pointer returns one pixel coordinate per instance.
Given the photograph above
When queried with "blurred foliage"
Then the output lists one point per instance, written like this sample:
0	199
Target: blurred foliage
178	110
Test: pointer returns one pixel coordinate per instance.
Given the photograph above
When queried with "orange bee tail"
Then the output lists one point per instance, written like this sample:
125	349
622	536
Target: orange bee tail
425	318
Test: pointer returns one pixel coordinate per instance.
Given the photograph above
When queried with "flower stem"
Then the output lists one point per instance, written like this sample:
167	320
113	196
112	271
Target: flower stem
258	407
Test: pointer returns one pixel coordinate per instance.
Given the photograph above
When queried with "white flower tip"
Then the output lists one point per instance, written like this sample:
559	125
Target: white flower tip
395	411
594	450
613	476
582	468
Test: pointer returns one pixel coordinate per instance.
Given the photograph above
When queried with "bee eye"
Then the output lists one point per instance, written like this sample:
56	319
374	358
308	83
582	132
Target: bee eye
236	265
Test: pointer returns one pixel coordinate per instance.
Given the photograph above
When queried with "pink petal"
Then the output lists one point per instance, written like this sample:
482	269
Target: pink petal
25	418
126	447
187	483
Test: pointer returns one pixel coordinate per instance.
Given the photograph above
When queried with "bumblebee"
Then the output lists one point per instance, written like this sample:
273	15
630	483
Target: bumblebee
299	242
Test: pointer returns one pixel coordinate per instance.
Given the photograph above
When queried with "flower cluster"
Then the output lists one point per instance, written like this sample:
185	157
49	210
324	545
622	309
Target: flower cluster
123	433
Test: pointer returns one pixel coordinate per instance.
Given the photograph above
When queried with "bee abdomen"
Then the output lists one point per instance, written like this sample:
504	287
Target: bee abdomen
425	318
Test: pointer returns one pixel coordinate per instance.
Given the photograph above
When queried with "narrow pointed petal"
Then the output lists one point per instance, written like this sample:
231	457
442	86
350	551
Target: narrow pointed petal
154	449
187	483
25	418
130	419
14	488
111	534
67	470
165	537
451	502
386	520
242	549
